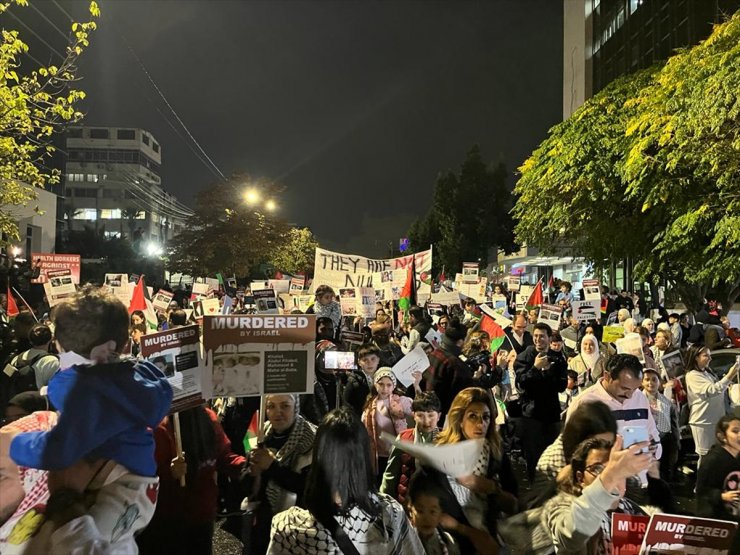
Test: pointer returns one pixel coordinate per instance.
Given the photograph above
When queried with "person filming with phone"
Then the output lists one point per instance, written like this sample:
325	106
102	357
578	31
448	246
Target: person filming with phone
541	374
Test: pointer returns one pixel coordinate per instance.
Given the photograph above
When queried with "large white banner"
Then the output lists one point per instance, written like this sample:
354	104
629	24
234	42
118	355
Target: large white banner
348	270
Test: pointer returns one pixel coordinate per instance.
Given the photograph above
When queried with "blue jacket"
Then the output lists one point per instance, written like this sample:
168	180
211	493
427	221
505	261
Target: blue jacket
106	412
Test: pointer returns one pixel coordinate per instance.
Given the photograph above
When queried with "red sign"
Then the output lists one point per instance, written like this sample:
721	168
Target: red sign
687	534
628	532
48	261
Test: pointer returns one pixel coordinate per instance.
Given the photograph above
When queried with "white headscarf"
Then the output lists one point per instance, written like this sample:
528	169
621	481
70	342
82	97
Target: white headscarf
590	359
629	325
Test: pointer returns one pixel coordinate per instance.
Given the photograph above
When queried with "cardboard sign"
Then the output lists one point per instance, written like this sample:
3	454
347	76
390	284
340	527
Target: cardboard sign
447	299
673	364
391	282
525	291
161	301
210	307
255	285
58	286
591	290
628	532
352	340
231	283
415	361
302	302
470	272
119	286
177	353
433	337
513	283
257	354
348	301
266	301
297	284
279	285
499	301
347	270
550	314
688	535
583	311
476	291
357	301
48	261
200	290
611	333
434	308
631	344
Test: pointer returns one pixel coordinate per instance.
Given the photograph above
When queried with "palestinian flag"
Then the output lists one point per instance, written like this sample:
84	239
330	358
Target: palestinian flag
12	310
140	301
407	293
252	435
495	332
536	298
442	277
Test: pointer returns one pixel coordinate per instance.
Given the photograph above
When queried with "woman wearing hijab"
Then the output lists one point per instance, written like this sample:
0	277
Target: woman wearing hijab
589	364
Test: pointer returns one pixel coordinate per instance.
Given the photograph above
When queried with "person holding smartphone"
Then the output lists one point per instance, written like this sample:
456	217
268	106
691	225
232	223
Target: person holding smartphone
541	374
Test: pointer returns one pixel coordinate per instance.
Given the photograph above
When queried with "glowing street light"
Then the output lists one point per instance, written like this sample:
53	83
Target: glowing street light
252	196
16	251
270	205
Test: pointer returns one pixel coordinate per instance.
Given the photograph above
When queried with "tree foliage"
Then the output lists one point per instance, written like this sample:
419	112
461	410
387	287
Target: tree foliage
227	235
649	169
33	106
469	214
297	253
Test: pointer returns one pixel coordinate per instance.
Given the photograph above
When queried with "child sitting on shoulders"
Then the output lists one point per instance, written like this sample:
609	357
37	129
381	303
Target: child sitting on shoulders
425	512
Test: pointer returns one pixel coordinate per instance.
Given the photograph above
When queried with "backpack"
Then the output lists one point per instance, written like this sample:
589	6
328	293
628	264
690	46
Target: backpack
18	379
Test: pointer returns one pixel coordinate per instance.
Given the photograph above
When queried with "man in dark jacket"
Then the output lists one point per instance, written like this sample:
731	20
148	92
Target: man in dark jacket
541	373
360	381
447	374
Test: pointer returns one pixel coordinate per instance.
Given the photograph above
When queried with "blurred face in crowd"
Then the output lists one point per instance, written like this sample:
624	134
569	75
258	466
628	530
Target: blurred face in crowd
589	330
703	358
650	382
556	344
520	325
280	411
595	463
533	316
325	299
369	363
661	341
588	347
623	387
384	387
476	419
136	319
541	340
325	329
442	323
426	513
426	420
572	382
732	436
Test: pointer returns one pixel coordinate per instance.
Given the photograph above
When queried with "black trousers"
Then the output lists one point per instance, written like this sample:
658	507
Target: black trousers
535	436
164	537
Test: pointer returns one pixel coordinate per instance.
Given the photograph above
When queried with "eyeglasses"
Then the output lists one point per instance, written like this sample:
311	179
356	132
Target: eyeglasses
595	469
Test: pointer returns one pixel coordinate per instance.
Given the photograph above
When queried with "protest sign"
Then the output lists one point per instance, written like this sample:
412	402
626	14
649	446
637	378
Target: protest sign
231	283
257	285
366	302
433	308
199	290
513	283
391	282
255	354
177	353
351	340
550	314
210	307
415	361
47	261
525	291
583	311
296	285
279	285
197	311
348	301
447	299
454	459
118	285
611	333
475	291
470	272
627	533
58	286
422	298
433	337
673	364
266	301
302	302
631	344
591	290
688	535
499	301
345	270
161	301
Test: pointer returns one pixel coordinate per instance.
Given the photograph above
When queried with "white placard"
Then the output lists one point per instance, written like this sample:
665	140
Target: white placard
454	459
447	298
631	344
584	311
415	361
592	290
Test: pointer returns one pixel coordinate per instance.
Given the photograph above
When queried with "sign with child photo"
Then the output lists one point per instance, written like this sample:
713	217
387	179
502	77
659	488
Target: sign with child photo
177	353
250	355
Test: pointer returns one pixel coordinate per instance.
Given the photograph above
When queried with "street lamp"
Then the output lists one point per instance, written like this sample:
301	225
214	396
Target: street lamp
270	205
252	196
16	251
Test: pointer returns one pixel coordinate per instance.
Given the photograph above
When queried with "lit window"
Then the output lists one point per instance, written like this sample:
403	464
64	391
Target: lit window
113	234
92	177
85	214
110	214
141	215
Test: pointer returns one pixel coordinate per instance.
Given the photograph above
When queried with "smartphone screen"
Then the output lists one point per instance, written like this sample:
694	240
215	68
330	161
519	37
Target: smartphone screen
634	434
339	360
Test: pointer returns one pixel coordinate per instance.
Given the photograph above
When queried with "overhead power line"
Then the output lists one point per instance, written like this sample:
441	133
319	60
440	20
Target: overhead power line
35	34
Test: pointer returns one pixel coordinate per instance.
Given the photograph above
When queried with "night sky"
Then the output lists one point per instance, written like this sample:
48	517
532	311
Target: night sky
355	106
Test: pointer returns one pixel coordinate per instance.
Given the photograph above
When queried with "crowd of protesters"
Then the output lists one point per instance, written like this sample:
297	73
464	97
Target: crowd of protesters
89	462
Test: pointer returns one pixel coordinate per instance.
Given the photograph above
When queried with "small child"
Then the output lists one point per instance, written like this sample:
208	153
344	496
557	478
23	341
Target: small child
426	515
426	409
572	389
108	407
137	330
666	419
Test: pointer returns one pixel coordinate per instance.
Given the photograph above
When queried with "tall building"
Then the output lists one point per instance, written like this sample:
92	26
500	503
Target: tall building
112	184
604	39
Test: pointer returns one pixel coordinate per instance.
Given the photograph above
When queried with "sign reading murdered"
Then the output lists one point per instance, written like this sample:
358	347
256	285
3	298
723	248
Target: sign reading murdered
258	354
177	353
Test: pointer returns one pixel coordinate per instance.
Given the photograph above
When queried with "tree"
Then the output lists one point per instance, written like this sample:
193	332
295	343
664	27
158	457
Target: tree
469	214
33	106
297	254
648	169
226	235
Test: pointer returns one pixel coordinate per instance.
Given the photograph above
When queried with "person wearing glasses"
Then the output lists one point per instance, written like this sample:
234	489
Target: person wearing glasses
591	488
471	504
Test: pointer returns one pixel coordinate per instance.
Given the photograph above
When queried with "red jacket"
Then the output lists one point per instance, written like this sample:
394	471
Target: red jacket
408	465
195	503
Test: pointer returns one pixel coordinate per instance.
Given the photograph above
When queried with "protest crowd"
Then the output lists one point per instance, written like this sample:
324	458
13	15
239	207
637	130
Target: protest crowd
437	423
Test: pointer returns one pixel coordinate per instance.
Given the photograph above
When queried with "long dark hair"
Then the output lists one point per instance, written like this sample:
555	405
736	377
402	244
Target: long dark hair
198	440
588	420
341	469
691	355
